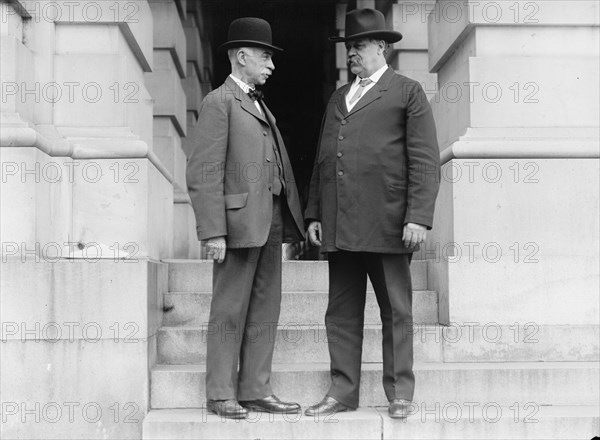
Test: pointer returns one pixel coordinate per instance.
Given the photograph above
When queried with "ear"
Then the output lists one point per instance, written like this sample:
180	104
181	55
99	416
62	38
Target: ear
241	57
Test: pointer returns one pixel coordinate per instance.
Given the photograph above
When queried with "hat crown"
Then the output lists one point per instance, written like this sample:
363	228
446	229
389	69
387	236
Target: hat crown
249	32
250	29
359	21
367	23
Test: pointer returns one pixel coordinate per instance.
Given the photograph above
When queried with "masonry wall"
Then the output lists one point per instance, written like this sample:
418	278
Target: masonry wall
97	101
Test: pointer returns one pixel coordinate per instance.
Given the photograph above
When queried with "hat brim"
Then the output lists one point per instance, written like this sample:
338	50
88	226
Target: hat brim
247	43
389	36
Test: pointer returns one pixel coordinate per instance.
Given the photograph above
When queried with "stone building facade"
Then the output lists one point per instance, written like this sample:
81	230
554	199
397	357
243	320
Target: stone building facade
99	104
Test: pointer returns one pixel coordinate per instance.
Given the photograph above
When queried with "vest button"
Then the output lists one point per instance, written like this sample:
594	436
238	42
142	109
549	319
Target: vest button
339	154
344	122
340	173
341	138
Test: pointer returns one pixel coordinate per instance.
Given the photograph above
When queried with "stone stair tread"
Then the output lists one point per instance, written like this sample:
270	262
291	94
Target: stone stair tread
565	383
291	292
320	366
298	324
546	422
193	275
192	308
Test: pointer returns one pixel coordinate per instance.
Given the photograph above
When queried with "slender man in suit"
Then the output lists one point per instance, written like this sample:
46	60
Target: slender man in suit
246	203
372	197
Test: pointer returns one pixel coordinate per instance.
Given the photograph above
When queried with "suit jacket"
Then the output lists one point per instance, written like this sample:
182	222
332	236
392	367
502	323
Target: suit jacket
229	178
377	167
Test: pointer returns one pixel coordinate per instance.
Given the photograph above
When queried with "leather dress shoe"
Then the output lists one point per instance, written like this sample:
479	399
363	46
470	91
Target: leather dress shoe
271	404
230	409
399	408
327	407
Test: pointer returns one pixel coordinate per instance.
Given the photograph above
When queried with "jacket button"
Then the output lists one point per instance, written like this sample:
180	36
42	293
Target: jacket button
340	173
344	122
339	154
341	138
268	159
264	133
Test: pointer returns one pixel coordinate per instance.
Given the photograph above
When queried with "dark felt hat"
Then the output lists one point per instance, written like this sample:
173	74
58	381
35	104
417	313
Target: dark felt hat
367	23
249	31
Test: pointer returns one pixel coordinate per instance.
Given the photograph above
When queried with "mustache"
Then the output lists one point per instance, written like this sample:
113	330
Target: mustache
353	60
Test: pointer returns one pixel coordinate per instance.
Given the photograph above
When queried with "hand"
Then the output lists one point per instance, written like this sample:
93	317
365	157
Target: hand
414	234
314	233
215	248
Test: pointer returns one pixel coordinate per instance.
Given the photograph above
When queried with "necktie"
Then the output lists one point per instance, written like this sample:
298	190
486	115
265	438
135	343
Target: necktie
362	84
255	94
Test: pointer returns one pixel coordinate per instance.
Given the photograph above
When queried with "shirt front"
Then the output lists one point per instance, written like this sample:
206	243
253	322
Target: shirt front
355	86
246	88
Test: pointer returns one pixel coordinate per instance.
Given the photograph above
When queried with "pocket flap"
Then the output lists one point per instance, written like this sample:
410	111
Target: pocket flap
233	201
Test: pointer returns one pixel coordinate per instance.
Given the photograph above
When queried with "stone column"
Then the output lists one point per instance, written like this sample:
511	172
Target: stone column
86	214
409	56
516	239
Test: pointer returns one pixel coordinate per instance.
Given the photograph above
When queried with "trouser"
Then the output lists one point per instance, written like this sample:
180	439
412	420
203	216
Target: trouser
243	318
344	320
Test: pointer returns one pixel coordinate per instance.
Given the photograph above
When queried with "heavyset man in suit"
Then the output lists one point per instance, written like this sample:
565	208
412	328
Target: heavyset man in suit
372	197
246	204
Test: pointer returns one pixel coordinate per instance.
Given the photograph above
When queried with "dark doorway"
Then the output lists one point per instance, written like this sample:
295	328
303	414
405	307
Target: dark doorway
305	73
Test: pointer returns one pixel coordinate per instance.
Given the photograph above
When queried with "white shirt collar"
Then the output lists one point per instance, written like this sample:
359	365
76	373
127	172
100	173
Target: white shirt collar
375	77
245	87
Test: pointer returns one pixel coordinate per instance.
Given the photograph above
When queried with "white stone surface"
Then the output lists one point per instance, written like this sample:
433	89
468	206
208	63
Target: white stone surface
81	300
451	22
168	32
453	421
515	422
127	202
193	89
185	240
541	383
75	389
19	91
547	268
297	276
194	44
193	424
294	343
108	88
410	19
165	87
302	308
38	188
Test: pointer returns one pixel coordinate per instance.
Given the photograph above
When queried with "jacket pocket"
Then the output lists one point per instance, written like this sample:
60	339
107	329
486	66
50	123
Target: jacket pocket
236	201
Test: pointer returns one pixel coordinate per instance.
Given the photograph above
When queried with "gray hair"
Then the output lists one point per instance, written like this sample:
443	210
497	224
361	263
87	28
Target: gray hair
386	45
232	53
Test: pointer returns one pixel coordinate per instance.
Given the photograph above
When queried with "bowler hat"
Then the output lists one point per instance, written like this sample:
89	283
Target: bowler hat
249	31
367	23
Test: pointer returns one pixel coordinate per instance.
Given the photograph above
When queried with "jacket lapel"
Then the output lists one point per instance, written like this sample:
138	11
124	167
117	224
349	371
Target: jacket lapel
375	92
245	101
287	170
273	123
341	99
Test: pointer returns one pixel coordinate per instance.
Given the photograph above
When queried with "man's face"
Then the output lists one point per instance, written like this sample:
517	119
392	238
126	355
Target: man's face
259	65
364	57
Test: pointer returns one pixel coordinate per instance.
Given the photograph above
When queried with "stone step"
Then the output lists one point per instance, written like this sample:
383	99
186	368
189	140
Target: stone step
504	384
446	422
293	343
472	343
297	276
191	309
